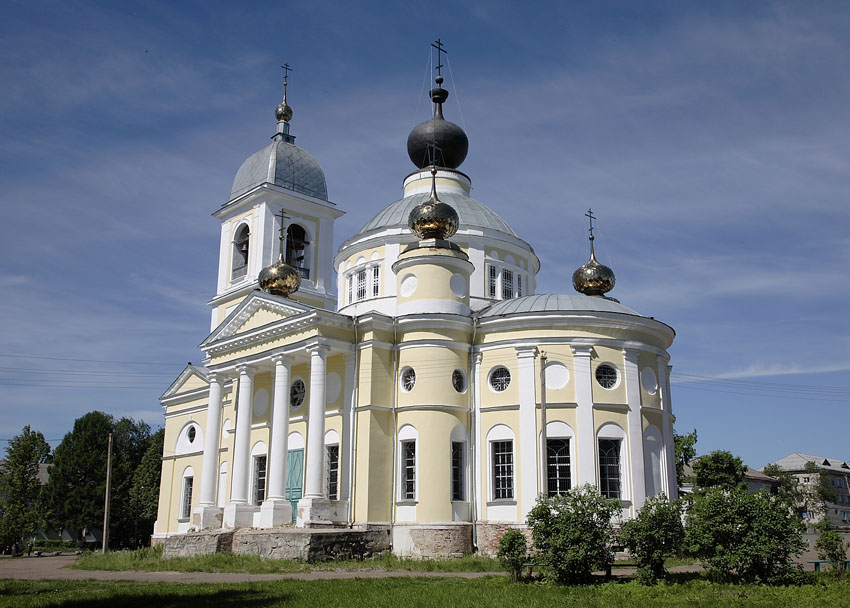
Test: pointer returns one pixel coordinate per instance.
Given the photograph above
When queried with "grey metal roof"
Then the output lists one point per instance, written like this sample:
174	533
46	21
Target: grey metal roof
555	303
797	462
470	211
283	164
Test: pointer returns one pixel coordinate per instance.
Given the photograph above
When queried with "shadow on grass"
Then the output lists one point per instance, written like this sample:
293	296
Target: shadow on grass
183	598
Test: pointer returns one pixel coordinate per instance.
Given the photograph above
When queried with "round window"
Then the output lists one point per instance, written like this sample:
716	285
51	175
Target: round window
408	379
606	376
459	380
191	434
500	379
296	394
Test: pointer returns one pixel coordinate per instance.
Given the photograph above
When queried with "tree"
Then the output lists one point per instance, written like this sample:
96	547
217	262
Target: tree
20	488
513	550
77	484
789	489
820	493
719	469
655	534
574	532
831	548
753	536
685	446
144	495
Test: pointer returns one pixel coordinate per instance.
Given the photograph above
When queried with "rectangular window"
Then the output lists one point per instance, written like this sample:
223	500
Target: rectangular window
186	508
507	284
350	287
609	468
408	470
519	285
333	472
457	470
259	479
558	466
492	280
376	281
361	285
503	469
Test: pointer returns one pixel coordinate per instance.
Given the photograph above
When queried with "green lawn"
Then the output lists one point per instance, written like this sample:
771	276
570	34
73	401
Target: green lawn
413	592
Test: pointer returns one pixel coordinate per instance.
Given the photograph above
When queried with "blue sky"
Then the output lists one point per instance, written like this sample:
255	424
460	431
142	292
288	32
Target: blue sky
711	140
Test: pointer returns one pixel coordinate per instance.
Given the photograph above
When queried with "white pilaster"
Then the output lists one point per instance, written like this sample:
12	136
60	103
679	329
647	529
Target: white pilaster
635	436
585	435
323	254
238	512
667	430
347	447
209	515
478	437
527	428
276	510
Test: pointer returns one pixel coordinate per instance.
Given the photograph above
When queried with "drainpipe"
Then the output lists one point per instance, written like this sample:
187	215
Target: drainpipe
352	431
544	461
395	430
473	435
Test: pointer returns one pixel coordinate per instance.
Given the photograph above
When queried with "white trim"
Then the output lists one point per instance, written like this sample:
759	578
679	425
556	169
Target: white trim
617	371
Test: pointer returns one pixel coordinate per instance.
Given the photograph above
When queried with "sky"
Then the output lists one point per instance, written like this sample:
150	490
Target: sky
711	139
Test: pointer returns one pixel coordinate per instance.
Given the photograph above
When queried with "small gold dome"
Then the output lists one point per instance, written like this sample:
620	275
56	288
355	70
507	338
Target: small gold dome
283	112
433	219
279	279
593	278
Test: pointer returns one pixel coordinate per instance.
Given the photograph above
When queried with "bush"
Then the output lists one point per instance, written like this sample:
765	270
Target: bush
512	552
831	548
574	533
653	535
753	536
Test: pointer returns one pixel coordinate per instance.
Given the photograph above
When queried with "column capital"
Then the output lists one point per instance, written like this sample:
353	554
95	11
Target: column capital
318	347
581	350
478	355
282	358
631	354
523	352
244	368
348	357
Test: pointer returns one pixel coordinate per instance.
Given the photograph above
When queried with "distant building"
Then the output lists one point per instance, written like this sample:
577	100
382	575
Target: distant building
755	480
838	473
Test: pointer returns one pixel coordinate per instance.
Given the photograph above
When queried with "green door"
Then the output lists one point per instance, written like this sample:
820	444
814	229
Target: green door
294	478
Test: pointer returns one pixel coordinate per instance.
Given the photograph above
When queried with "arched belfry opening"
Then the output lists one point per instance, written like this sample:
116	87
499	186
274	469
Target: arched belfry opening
296	250
240	253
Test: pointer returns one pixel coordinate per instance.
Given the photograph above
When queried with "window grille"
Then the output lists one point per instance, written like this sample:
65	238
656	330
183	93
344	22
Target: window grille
259	479
376	281
361	285
500	379
457	470
350	281
503	469
492	281
186	509
333	472
408	470
519	285
297	392
459	380
557	466
507	284
606	376
609	468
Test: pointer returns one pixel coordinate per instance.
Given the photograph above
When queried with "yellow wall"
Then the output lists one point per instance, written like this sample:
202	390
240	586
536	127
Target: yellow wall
604	354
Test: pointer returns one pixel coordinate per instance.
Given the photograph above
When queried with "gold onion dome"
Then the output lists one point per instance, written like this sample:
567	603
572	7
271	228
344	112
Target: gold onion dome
283	111
280	279
593	278
433	219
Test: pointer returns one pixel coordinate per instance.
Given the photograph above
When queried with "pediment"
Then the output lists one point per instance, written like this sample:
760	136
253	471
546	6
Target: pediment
192	378
256	310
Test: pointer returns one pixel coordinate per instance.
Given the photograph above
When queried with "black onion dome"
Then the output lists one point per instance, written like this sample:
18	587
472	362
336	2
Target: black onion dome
448	139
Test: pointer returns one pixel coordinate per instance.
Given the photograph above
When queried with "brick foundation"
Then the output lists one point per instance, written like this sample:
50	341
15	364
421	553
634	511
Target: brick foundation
451	539
490	532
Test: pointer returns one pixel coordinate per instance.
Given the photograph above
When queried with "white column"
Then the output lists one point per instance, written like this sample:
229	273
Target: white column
635	435
667	430
238	512
480	441
314	488
276	510
347	448
585	434
527	428
322	261
208	514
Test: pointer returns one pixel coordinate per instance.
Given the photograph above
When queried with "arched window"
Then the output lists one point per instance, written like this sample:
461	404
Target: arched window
186	493
500	442
560	456
240	253
407	437
296	249
613	466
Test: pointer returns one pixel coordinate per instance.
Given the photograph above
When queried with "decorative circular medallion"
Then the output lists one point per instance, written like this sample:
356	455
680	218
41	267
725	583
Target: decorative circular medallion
261	402
557	375
408	285
333	388
458	285
649	380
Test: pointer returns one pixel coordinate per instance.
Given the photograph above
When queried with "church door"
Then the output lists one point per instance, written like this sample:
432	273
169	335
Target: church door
294	478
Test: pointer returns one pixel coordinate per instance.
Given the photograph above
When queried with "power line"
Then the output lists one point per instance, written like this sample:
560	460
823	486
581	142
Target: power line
86	360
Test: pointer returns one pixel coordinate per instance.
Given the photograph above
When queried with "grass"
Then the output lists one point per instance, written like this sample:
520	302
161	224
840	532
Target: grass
151	560
413	593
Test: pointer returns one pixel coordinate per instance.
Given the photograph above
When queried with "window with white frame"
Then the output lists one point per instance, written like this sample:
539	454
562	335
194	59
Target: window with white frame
363	281
500	379
241	242
361	285
408	469
610	482
376	281
504	283
507	284
186	502
332	481
518	285
492	275
502	458
558	478
259	479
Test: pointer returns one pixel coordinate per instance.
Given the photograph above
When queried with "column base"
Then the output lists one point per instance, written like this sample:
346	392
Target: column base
321	513
238	516
207	517
275	513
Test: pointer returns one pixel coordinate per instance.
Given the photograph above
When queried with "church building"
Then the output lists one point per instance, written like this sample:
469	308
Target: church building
413	382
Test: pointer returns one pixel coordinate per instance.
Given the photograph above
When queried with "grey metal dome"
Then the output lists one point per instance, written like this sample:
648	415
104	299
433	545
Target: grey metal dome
284	164
556	303
470	211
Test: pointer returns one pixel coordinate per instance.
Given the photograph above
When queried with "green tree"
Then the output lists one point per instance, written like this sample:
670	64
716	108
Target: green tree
513	551
753	536
77	485
144	494
655	534
685	446
719	469
20	489
820	492
830	547
788	489
574	532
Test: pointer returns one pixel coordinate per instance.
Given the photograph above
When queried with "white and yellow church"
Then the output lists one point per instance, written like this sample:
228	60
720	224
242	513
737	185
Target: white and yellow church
413	383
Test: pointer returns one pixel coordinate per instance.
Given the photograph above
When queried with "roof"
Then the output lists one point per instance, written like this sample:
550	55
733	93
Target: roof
797	462
470	211
556	303
284	164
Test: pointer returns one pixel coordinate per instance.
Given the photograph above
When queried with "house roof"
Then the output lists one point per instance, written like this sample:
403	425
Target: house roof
797	462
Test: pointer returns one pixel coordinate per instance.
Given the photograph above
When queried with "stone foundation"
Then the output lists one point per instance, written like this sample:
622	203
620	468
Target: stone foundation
311	545
450	539
198	543
490	532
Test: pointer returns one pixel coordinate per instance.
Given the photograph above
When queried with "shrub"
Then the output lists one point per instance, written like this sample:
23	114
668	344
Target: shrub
653	535
830	547
753	536
574	533
512	552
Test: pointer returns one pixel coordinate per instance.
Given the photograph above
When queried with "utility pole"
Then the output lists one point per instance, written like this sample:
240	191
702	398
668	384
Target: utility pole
106	498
